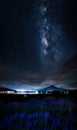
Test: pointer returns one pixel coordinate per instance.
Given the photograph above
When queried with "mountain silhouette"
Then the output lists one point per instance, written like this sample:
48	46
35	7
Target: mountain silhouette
52	88
6	89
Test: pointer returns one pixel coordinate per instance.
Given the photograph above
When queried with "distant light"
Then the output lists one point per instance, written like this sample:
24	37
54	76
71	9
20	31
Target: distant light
6	92
66	92
25	95
22	90
36	92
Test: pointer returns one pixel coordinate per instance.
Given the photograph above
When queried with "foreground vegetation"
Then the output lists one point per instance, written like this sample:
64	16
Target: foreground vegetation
35	114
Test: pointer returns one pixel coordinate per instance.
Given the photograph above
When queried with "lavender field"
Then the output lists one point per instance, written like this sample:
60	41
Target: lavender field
39	114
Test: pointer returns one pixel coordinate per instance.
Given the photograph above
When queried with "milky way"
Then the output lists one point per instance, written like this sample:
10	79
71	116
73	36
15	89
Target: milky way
44	31
50	32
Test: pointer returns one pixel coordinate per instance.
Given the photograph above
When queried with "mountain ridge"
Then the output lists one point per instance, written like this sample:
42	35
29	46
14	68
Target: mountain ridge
52	88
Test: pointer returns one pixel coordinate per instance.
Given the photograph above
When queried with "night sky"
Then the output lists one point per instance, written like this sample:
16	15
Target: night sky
38	43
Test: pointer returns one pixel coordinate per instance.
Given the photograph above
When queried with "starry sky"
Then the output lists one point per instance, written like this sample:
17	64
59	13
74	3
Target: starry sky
38	44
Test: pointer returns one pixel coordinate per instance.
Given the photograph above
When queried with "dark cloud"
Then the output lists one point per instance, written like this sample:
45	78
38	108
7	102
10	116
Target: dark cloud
64	77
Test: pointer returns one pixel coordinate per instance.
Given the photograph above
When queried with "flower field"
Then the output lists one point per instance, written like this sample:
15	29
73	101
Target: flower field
39	114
